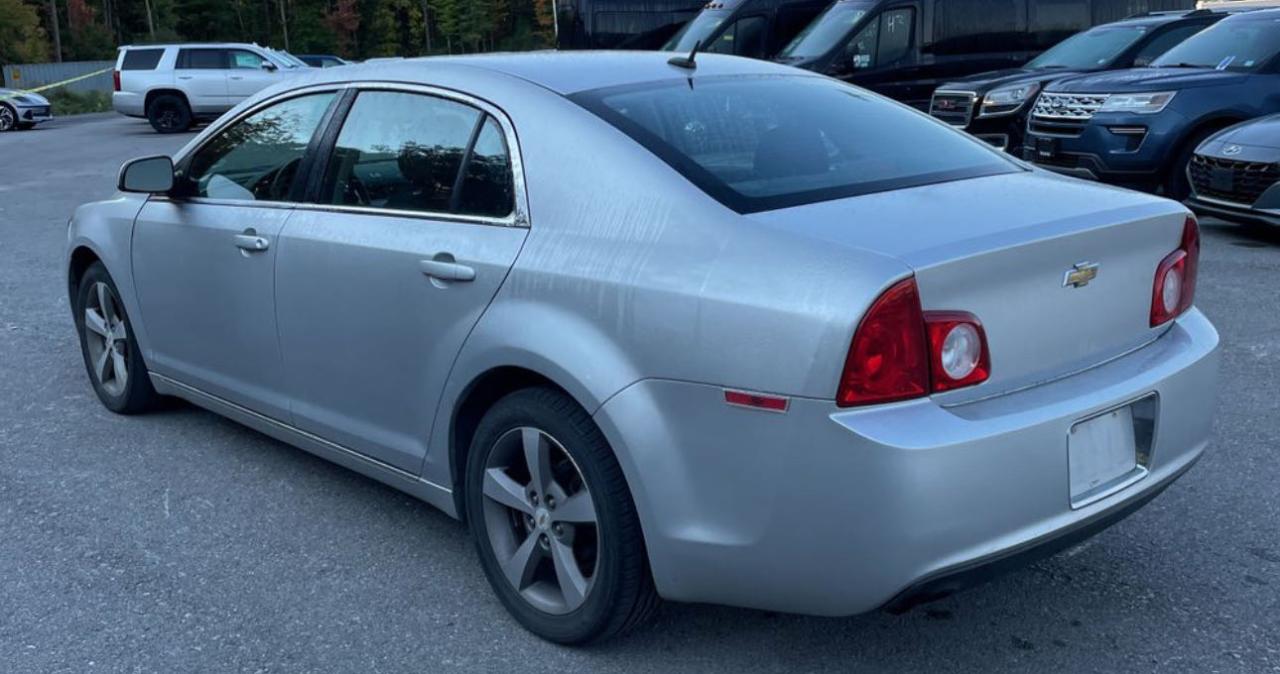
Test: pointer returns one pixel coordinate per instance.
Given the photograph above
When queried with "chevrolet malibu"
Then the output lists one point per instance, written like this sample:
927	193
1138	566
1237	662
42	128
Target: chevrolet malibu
708	330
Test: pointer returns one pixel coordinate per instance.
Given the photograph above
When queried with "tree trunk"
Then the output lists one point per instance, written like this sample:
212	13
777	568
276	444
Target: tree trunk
151	23
57	34
426	26
284	26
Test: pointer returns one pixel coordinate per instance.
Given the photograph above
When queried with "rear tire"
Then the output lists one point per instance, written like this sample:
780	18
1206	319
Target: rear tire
110	349
528	530
169	113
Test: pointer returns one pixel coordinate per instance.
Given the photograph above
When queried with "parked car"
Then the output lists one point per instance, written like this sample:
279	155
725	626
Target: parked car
620	24
1139	127
751	28
485	281
323	60
994	106
174	86
1235	174
22	109
905	48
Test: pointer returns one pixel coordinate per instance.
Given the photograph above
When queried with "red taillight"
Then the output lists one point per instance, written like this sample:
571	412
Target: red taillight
958	354
1174	289
900	351
115	80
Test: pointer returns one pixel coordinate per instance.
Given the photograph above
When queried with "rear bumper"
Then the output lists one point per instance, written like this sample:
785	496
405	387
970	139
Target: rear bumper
833	512
129	103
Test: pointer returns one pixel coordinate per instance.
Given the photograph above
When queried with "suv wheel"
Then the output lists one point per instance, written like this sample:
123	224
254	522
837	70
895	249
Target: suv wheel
111	354
553	520
169	114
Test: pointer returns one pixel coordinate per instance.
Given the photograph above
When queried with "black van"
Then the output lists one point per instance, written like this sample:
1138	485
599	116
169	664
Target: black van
752	28
905	48
621	24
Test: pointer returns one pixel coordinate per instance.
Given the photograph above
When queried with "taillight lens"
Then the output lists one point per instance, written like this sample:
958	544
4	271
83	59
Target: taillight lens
888	359
957	349
1174	290
901	352
115	80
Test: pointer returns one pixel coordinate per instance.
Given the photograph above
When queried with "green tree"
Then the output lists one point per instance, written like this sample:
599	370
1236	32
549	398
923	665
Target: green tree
22	38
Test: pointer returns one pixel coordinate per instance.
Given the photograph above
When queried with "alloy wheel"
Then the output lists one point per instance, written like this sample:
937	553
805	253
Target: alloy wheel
7	118
168	118
107	339
540	520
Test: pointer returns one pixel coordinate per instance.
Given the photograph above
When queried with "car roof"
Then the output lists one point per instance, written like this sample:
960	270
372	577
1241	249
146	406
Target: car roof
570	72
195	45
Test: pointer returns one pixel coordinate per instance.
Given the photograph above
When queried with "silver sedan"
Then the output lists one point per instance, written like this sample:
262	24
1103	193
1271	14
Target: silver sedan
719	331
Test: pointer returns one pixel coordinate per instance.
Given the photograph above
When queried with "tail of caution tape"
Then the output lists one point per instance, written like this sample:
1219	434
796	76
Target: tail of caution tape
55	85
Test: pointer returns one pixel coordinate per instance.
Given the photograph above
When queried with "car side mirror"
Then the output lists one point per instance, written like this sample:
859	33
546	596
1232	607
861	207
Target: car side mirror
269	66
148	175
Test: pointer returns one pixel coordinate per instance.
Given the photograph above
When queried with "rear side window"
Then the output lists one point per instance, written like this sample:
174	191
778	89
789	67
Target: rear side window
760	143
414	152
202	59
141	59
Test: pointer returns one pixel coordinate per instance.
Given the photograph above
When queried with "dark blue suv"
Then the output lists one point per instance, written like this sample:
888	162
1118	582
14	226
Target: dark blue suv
1140	127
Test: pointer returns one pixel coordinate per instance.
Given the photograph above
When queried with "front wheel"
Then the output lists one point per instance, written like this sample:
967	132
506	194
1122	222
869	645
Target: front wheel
8	118
107	342
553	521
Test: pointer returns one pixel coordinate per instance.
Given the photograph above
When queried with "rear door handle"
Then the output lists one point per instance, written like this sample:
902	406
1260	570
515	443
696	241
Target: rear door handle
184	77
444	268
252	242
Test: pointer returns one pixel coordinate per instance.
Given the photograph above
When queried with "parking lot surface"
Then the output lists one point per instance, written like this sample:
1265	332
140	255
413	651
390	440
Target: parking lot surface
182	542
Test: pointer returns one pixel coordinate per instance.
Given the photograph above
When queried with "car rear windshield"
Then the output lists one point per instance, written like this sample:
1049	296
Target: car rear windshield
768	142
1243	42
141	59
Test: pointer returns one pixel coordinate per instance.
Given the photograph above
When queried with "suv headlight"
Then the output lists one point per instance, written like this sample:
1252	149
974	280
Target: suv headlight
1004	100
1143	104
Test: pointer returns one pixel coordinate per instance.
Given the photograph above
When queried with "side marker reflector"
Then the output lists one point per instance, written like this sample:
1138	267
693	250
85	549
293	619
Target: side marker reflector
757	401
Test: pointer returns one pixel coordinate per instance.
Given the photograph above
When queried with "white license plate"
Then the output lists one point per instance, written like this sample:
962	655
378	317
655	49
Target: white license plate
1102	455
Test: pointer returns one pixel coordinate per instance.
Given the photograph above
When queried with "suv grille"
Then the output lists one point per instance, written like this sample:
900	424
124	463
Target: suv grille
1239	182
954	108
1064	114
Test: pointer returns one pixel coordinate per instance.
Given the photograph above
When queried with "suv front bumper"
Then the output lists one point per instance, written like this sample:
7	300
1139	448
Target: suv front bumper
831	511
1113	147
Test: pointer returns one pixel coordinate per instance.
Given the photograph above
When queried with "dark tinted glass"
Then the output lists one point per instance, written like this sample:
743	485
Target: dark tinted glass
487	187
257	158
1243	42
976	26
771	142
896	27
745	37
400	151
141	59
203	59
1164	42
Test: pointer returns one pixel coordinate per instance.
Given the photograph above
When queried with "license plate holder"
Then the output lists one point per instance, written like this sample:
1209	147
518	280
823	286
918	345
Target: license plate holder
1104	455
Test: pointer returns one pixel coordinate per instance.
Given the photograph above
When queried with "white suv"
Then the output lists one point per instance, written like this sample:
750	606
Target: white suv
175	85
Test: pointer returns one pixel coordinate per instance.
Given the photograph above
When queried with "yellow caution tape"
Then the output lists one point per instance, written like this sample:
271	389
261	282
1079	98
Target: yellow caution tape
55	85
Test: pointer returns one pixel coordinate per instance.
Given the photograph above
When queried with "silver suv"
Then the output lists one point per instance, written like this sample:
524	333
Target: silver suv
173	86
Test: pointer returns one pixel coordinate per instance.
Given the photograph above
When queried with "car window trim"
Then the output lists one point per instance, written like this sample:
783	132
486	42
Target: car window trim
346	93
519	216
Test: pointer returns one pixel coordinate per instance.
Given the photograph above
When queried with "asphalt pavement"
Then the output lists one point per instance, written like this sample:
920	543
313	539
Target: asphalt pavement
182	542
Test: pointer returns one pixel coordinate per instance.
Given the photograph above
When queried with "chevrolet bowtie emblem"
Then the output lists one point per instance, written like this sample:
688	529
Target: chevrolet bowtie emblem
1080	275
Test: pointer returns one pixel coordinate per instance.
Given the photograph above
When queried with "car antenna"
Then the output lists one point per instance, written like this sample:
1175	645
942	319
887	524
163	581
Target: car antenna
689	61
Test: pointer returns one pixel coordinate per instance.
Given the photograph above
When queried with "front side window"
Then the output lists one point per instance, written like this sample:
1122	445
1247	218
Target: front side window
257	158
745	37
406	151
760	143
202	59
861	50
895	35
826	31
246	59
1241	42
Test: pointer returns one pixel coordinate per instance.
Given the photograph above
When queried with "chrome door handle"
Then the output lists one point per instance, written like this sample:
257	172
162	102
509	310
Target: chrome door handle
184	77
445	269
252	242
236	77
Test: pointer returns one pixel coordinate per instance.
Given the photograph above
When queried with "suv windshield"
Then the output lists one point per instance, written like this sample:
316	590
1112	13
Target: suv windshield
286	59
825	31
1091	49
1242	42
761	143
696	31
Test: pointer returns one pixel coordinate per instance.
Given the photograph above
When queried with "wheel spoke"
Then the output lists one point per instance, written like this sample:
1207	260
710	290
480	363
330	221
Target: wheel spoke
501	488
100	365
104	303
96	323
119	370
577	509
538	456
572	584
519	569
